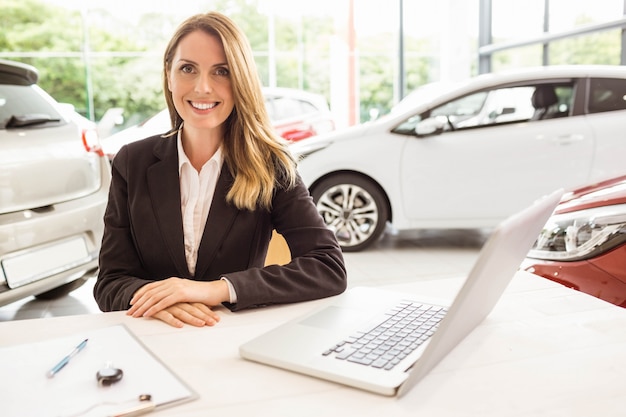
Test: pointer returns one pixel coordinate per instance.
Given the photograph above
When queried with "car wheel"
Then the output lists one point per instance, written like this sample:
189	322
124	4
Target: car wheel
354	208
61	290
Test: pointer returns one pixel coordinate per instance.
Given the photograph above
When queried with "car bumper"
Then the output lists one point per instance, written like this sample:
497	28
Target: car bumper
43	249
603	277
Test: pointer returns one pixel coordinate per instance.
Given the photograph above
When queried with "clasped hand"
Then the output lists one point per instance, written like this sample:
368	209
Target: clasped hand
178	301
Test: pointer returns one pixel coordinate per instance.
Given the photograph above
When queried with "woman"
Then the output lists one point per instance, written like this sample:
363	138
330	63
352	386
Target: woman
190	214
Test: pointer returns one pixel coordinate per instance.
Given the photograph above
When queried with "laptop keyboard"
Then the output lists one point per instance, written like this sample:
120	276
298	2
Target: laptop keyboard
402	330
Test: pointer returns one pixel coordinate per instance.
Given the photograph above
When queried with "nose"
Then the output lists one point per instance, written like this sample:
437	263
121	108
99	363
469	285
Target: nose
204	84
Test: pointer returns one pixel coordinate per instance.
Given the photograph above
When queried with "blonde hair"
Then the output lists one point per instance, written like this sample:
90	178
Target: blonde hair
257	157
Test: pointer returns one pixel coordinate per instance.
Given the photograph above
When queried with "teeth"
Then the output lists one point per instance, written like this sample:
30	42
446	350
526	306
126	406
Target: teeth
203	106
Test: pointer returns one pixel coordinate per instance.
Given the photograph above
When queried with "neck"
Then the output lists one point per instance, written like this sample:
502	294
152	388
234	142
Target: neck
201	145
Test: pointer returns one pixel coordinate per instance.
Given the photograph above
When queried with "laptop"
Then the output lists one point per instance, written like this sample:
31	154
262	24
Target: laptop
409	336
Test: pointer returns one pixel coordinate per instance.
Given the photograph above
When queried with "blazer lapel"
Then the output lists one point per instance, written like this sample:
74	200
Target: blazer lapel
164	189
221	218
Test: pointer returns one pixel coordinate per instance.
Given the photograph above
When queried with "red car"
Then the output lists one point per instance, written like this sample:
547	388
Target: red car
583	245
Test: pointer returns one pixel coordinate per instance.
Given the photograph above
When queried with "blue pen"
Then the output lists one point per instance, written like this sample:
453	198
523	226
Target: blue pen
52	372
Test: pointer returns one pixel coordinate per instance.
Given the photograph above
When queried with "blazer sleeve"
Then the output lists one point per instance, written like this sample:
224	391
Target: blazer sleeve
119	261
316	269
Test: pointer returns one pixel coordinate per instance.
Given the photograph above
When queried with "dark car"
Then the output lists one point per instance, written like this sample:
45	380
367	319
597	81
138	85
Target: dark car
54	181
583	246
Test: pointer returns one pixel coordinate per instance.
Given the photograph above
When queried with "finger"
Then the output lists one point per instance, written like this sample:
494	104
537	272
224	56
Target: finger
157	303
204	312
147	300
196	313
149	305
142	296
168	318
141	292
207	312
189	314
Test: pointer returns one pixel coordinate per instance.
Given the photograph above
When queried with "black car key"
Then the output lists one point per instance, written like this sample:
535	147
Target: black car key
109	375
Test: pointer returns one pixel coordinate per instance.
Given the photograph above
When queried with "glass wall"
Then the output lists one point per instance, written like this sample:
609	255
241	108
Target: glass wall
553	32
363	56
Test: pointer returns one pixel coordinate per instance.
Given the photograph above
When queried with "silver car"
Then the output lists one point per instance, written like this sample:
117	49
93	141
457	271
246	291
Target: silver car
53	191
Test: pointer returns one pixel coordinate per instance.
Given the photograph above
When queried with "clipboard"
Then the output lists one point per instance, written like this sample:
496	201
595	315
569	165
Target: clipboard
26	391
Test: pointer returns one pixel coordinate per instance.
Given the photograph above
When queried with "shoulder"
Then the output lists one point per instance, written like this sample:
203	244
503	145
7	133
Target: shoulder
158	142
285	193
146	152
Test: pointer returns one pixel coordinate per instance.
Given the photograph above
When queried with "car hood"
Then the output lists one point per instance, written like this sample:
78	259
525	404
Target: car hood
605	193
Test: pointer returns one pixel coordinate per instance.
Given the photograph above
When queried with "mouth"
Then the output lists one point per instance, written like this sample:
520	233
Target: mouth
203	106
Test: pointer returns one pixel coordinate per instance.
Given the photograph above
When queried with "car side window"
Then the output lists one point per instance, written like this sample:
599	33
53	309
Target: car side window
552	101
483	108
606	94
458	113
494	107
462	109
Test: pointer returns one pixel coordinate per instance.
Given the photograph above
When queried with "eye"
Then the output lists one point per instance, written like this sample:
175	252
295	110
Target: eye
186	68
222	71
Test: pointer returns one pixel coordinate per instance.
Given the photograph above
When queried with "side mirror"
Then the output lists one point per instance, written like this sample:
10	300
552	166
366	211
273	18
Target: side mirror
431	126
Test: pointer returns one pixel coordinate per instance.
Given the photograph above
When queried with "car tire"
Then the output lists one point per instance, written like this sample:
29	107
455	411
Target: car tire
354	207
62	290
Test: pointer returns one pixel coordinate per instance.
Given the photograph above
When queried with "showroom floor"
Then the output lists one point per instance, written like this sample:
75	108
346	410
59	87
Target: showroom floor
396	258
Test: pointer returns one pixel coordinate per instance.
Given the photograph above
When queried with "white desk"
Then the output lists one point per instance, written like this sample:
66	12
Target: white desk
544	351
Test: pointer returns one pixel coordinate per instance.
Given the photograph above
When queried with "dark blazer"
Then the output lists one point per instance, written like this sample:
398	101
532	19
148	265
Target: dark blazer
143	236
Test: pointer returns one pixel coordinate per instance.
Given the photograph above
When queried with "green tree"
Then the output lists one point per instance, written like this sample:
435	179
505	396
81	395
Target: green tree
55	39
378	71
600	48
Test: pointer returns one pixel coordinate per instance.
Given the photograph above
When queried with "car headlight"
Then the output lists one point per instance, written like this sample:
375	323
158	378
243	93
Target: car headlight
581	235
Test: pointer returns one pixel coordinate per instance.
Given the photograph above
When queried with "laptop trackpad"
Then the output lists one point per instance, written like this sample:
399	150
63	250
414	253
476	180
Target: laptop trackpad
334	318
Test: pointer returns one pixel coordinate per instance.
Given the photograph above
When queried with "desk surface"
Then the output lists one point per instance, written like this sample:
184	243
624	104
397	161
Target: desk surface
545	350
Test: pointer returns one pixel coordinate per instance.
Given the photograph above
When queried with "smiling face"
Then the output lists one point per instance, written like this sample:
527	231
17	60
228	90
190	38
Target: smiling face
200	83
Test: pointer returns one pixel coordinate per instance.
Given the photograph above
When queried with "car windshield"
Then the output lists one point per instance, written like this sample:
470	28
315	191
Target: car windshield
22	106
423	94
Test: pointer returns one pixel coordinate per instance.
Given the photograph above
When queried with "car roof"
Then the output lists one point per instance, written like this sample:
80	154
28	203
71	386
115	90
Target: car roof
442	91
543	73
17	73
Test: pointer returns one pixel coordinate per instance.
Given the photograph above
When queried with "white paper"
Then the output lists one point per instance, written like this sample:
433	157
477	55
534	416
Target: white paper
25	390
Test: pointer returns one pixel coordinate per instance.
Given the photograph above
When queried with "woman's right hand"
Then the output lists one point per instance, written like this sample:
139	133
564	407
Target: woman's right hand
194	314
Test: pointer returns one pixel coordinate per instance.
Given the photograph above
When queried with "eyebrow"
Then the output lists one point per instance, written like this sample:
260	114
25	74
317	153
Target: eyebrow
189	61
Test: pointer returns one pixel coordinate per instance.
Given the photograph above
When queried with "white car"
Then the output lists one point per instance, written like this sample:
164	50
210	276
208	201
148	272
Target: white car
295	115
469	155
54	184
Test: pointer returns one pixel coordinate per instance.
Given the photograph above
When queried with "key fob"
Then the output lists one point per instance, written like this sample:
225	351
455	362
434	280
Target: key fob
109	375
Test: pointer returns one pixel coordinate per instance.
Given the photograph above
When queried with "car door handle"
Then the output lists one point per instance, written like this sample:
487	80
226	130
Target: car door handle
570	138
566	139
